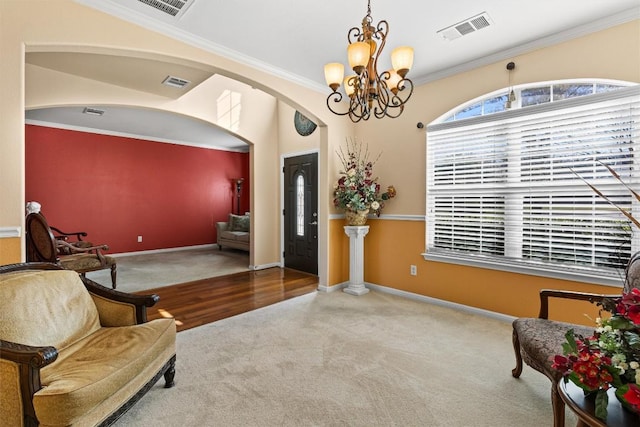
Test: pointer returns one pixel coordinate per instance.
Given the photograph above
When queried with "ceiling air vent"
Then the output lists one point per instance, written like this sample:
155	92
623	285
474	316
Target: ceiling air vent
92	111
465	27
170	7
175	82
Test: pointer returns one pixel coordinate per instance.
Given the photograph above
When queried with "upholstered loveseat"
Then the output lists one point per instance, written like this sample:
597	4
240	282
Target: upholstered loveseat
74	353
235	233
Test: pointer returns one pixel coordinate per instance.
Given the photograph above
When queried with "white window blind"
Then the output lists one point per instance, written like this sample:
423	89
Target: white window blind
503	188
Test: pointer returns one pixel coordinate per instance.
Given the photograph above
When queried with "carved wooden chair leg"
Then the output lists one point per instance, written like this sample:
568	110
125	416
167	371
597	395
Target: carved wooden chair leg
558	406
113	276
30	421
516	348
169	374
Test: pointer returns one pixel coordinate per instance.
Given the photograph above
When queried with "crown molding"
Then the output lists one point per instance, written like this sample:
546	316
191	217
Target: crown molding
129	135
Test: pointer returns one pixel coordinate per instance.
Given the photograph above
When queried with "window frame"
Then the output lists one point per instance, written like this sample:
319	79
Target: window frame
504	263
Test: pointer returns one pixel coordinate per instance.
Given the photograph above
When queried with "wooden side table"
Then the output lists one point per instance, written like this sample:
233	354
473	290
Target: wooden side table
584	408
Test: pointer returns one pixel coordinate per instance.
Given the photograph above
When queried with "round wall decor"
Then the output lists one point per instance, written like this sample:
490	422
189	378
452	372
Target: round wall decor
303	125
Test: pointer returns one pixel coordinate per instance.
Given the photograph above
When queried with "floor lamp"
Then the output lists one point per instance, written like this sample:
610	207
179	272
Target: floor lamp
238	182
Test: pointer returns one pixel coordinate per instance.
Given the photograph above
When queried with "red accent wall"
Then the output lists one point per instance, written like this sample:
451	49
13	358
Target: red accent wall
117	188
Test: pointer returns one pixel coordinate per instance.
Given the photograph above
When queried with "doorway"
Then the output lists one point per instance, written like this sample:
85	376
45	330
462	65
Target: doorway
301	213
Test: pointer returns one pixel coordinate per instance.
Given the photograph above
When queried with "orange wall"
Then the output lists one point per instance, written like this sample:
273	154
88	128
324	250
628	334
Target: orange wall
9	250
388	257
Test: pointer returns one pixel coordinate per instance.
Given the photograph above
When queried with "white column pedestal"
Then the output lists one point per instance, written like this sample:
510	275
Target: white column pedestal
356	259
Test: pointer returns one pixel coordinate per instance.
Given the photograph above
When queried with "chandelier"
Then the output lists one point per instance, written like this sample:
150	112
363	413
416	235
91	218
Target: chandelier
382	94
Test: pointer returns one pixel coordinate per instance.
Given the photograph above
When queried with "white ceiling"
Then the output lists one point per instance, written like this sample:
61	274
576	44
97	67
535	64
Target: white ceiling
294	38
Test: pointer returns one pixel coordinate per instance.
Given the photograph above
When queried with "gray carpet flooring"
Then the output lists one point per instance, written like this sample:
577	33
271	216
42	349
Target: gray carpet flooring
333	359
154	270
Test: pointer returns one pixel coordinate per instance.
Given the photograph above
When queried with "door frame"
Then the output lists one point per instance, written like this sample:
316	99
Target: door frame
282	190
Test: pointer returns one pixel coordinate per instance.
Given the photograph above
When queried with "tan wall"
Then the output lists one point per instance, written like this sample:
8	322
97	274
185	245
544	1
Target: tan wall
290	141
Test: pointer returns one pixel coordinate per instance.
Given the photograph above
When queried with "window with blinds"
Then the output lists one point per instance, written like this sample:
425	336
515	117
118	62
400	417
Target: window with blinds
509	188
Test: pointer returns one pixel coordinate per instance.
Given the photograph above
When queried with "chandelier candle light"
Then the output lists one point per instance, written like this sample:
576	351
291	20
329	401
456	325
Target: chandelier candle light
384	94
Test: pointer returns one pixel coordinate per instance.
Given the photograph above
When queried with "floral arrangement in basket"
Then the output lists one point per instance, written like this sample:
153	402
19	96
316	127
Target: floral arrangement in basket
610	358
357	189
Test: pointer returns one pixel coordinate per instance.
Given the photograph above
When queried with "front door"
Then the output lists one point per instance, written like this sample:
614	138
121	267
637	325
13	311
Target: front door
301	213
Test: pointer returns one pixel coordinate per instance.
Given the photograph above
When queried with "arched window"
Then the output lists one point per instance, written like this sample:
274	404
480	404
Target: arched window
527	95
505	188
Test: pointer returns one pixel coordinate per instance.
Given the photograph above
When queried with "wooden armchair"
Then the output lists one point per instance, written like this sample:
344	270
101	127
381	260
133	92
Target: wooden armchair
537	340
73	238
42	246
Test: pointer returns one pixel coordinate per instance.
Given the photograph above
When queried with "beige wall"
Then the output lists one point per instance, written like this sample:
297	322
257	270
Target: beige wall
62	25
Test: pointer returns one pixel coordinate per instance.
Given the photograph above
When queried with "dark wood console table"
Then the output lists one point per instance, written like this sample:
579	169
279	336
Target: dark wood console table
617	416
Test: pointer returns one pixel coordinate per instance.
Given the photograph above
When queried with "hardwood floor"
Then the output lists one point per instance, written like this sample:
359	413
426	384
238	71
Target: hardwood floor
203	301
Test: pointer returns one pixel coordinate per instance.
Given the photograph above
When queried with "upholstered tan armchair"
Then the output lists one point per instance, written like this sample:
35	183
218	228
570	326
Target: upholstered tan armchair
537	340
73	352
43	246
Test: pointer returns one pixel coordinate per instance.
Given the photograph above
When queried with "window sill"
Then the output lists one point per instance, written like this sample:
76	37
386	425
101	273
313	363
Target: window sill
574	274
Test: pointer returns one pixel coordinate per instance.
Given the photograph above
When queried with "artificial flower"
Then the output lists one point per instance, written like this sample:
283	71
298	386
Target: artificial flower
357	189
609	358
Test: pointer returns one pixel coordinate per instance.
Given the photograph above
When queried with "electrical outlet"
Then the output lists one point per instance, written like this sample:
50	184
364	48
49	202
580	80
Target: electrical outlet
413	270
139	239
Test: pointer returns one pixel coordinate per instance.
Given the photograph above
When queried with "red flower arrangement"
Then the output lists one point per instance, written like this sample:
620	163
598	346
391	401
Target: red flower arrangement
609	358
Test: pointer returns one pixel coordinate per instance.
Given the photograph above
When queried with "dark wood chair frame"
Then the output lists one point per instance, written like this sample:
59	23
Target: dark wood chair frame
31	359
545	294
43	246
61	235
632	280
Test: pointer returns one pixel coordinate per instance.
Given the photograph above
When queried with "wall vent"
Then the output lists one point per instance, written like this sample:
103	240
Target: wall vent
465	27
174	8
175	82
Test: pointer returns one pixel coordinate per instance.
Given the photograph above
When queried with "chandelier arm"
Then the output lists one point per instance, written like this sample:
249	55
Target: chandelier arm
389	112
363	98
356	113
336	97
397	101
381	31
354	35
382	36
383	95
358	109
404	85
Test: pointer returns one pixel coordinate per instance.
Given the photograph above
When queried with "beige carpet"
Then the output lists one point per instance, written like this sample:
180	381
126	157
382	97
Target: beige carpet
340	360
147	271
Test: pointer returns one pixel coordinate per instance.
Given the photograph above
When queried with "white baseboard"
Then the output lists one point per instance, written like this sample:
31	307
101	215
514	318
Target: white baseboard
159	251
264	266
422	298
443	303
325	288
